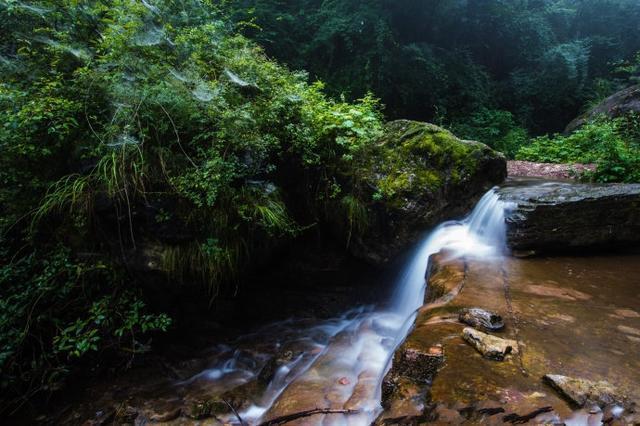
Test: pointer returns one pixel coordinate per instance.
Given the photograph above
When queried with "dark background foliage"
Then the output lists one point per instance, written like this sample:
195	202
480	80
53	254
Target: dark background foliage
444	60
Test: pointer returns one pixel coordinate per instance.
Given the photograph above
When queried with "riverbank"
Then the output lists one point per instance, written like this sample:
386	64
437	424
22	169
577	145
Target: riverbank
547	170
565	316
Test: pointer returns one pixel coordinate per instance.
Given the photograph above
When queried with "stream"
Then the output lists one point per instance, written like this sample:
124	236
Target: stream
340	363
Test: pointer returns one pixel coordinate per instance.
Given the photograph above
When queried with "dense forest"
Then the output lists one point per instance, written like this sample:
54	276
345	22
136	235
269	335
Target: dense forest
193	137
531	65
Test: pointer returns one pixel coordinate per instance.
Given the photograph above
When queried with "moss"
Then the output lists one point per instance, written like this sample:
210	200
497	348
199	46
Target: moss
415	159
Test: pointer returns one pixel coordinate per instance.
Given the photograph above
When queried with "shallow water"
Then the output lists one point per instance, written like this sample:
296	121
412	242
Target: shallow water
579	316
340	363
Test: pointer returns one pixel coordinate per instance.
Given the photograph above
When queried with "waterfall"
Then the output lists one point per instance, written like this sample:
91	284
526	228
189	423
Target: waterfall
481	235
335	356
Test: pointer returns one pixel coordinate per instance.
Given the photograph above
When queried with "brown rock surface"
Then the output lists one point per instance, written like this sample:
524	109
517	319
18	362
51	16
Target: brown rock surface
574	326
581	392
491	347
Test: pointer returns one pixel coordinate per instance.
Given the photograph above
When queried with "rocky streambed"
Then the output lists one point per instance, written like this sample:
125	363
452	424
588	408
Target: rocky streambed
575	317
496	339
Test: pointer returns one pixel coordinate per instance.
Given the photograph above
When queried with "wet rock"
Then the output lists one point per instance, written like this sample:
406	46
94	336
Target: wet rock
165	415
629	330
420	365
515	418
204	409
621	103
448	416
626	313
580	392
422	174
411	368
127	415
103	417
481	319
446	277
489	346
269	370
557	292
566	217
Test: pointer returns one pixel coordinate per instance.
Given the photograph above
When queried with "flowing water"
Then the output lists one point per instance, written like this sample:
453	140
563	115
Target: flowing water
340	363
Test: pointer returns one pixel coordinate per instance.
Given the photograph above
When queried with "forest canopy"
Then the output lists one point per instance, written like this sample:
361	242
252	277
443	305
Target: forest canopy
534	64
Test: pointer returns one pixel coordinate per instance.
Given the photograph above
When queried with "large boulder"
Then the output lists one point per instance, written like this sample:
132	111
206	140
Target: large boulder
419	176
619	104
553	217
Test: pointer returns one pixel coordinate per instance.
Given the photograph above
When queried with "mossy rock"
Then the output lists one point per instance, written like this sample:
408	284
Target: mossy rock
421	174
414	159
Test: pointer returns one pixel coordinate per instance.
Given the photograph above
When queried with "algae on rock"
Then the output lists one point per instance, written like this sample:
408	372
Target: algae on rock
420	174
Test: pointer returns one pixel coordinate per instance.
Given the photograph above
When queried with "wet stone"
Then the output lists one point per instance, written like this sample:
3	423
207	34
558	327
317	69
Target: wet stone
580	392
204	409
165	415
448	416
127	415
421	365
103	417
489	346
481	319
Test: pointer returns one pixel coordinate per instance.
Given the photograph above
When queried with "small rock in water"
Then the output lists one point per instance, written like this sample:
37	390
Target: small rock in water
581	392
344	381
165	415
436	350
481	319
489	346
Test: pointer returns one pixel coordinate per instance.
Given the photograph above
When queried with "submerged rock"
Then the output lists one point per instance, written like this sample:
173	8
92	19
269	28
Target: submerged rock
556	217
580	392
481	319
489	346
161	416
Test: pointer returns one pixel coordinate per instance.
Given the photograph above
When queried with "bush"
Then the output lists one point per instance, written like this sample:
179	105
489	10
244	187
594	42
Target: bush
495	128
118	118
614	145
55	310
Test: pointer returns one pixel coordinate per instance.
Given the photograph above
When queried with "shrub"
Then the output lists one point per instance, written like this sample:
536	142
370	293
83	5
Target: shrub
495	128
113	109
614	145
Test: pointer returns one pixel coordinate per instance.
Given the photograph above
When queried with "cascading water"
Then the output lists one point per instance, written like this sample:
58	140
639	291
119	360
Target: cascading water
481	235
341	363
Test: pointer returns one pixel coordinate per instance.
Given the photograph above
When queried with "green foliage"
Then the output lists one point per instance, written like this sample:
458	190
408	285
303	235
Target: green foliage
120	118
357	216
54	309
629	69
613	145
449	59
495	128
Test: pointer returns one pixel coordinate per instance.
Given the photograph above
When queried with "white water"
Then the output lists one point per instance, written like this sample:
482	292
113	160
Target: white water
480	235
341	363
